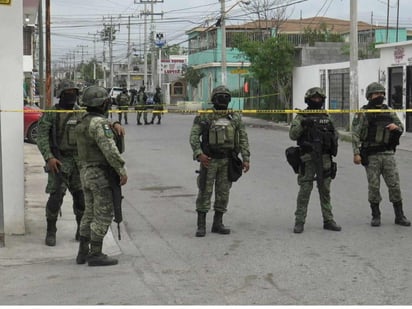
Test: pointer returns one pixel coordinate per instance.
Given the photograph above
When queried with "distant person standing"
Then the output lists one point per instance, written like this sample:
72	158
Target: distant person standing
123	101
100	161
317	139
140	105
374	140
57	144
158	106
216	138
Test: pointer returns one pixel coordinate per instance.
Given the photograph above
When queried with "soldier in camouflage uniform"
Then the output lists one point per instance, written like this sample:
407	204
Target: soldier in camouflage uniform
141	104
158	106
57	144
98	153
318	142
213	138
123	102
374	140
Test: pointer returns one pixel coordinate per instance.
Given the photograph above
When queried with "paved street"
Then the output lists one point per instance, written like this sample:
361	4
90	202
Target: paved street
261	263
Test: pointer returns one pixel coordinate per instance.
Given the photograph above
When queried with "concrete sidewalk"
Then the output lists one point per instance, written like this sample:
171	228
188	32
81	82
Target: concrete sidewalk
30	247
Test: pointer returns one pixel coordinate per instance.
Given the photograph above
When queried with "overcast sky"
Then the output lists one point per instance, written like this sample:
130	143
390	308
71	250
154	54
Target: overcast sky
76	22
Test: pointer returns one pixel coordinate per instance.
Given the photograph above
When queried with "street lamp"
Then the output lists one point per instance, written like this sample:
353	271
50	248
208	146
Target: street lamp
223	13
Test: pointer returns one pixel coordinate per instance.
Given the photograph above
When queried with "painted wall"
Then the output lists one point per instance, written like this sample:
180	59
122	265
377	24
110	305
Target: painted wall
309	76
11	123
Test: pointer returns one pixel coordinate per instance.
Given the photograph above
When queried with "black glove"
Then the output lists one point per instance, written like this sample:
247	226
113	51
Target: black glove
307	122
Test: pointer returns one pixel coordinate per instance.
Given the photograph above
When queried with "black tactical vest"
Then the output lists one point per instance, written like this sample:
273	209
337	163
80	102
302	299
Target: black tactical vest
377	122
322	132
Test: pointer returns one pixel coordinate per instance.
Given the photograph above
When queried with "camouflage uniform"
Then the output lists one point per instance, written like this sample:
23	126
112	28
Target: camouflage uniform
123	101
314	130
56	139
374	143
219	150
218	168
141	104
97	153
157	99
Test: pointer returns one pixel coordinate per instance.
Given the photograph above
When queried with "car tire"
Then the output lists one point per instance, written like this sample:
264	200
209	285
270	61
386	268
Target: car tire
32	133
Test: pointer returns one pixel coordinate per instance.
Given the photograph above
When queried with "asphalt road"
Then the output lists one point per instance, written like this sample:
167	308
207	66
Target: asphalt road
262	261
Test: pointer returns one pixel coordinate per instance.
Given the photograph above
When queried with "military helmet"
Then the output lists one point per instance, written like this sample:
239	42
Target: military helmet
311	92
94	96
220	90
66	84
374	88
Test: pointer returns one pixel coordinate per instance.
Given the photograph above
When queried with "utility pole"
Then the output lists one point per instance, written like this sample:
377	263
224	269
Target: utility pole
94	54
354	92
223	13
41	56
160	42
49	100
152	2
128	53
111	51
223	47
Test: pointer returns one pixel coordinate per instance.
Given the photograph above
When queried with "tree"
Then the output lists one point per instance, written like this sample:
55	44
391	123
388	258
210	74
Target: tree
193	76
272	62
88	71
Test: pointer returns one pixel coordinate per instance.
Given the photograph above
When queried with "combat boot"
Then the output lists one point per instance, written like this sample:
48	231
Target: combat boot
298	228
97	258
376	215
201	224
83	250
331	226
51	233
400	218
218	226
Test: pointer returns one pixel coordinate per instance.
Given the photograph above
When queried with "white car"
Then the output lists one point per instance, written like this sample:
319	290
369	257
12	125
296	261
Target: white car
114	92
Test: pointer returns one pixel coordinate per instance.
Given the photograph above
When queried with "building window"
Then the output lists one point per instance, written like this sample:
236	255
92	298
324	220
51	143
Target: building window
178	89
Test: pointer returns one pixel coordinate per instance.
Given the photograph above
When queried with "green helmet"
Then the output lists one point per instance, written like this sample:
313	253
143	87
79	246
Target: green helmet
220	90
66	84
94	96
374	88
311	92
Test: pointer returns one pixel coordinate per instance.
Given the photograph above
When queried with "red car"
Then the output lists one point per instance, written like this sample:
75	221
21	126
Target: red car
32	116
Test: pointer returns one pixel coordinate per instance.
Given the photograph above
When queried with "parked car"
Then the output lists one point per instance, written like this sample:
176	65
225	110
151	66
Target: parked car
114	92
32	115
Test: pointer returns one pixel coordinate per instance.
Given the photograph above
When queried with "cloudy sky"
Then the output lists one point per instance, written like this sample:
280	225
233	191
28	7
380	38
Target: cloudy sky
75	23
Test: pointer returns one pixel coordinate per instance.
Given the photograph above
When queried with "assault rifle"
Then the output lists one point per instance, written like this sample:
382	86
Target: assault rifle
205	125
114	181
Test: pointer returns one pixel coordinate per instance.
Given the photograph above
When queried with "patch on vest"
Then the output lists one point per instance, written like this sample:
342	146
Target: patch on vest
107	130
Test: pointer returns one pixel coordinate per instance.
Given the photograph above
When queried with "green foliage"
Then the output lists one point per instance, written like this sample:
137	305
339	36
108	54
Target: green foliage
87	71
193	77
323	34
272	60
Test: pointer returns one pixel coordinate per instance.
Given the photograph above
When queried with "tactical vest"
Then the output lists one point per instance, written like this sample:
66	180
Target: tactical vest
123	99
377	133
323	132
88	149
222	134
66	135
